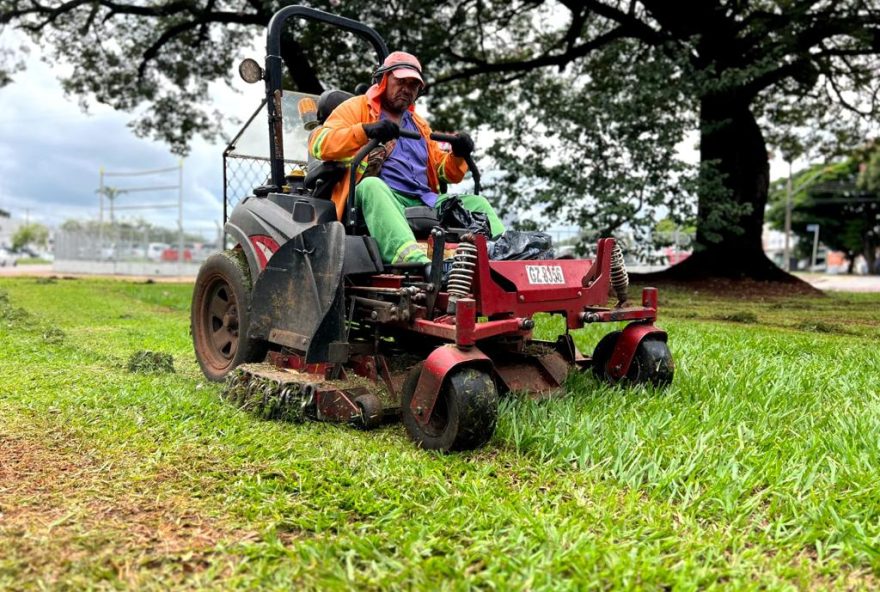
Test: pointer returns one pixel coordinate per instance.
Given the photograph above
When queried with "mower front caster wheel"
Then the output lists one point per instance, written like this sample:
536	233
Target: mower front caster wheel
464	415
651	364
371	412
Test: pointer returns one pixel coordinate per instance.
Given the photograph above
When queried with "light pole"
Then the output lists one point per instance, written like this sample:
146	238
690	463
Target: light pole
786	252
803	185
180	218
101	211
815	229
111	193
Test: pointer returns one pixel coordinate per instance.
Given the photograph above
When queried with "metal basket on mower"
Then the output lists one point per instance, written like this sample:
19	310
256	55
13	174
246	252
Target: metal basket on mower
303	319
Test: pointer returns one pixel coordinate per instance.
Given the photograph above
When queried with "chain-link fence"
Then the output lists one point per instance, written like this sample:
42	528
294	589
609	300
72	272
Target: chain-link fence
246	163
241	174
135	245
648	252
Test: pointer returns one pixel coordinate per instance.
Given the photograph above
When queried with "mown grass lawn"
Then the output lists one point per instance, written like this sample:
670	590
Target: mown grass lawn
757	469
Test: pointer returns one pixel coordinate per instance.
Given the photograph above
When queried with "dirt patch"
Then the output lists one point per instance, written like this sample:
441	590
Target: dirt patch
738	317
66	512
821	327
730	288
54	336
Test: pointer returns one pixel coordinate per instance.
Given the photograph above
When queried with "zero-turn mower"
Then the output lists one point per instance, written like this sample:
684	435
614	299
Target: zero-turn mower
304	320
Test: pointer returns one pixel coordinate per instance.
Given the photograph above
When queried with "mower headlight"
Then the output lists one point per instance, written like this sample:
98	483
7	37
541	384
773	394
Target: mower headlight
250	71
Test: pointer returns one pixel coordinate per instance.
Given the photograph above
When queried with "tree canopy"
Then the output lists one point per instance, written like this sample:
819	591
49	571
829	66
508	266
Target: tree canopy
590	99
842	197
30	234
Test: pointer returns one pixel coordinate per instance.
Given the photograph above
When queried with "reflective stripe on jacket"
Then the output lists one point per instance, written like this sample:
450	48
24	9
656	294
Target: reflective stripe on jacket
342	135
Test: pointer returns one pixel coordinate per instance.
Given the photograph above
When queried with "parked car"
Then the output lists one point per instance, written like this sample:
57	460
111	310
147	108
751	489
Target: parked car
36	254
170	254
8	258
108	252
136	251
155	251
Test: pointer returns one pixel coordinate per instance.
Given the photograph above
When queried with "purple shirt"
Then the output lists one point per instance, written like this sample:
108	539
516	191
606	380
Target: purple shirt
405	170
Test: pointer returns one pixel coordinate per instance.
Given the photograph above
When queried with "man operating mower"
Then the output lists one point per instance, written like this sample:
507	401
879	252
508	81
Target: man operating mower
412	169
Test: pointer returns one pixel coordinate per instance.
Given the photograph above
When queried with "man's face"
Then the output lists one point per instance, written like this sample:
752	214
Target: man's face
400	93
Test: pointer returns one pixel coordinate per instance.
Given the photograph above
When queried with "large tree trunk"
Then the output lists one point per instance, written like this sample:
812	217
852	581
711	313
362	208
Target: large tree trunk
729	226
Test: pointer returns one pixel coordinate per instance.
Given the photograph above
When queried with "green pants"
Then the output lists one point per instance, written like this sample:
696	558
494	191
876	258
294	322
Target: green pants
383	210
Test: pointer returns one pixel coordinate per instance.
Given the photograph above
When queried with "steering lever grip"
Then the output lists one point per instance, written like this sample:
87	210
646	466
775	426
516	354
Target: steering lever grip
411	134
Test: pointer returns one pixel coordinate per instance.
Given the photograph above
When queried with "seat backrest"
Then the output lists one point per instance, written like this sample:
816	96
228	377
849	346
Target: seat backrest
323	175
328	101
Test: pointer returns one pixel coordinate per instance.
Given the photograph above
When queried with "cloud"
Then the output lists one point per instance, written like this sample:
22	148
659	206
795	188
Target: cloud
51	153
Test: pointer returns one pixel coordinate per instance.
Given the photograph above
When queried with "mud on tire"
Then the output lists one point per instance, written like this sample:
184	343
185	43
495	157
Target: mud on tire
220	316
651	364
464	416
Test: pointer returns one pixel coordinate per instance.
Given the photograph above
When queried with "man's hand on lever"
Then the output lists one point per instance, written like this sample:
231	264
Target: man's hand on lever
462	144
382	130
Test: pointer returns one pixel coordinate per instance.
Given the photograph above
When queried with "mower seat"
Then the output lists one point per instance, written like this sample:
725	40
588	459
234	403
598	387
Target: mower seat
328	101
421	220
322	175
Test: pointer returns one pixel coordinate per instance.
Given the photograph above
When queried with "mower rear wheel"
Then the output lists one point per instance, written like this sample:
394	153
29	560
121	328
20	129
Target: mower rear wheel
220	316
464	415
651	364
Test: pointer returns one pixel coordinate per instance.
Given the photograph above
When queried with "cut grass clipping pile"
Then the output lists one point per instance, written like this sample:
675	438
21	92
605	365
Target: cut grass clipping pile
757	468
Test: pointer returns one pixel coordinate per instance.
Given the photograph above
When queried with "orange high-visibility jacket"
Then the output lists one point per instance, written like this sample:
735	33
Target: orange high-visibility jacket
342	135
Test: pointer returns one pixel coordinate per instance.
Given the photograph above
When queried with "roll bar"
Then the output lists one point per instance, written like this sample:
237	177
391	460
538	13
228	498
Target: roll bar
273	74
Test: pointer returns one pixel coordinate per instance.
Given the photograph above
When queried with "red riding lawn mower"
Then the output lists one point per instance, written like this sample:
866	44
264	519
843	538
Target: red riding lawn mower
304	320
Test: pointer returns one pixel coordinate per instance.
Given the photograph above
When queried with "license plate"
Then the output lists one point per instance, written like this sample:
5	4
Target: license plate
545	274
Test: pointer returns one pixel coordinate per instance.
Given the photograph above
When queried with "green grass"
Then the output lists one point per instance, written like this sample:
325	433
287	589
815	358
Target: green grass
757	469
33	261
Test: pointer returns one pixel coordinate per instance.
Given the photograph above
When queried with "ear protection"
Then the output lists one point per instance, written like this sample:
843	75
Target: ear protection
379	72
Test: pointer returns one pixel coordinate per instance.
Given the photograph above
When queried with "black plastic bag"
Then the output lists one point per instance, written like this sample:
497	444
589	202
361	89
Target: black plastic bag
516	245
454	215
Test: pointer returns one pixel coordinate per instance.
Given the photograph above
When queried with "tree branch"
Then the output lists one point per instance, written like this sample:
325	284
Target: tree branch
47	16
203	30
559	60
202	21
636	27
839	93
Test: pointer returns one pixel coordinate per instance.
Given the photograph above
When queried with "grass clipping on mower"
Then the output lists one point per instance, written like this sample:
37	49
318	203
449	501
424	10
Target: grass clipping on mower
266	397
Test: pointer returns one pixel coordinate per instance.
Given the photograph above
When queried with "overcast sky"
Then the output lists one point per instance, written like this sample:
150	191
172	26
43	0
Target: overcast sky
51	153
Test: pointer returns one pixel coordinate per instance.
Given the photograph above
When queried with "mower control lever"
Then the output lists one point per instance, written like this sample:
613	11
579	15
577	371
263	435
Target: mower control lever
440	137
469	159
350	217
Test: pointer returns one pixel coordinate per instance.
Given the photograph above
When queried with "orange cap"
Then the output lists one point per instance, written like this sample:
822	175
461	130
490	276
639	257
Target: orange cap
402	65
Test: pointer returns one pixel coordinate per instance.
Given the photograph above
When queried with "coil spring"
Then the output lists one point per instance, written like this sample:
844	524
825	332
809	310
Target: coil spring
461	275
619	276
